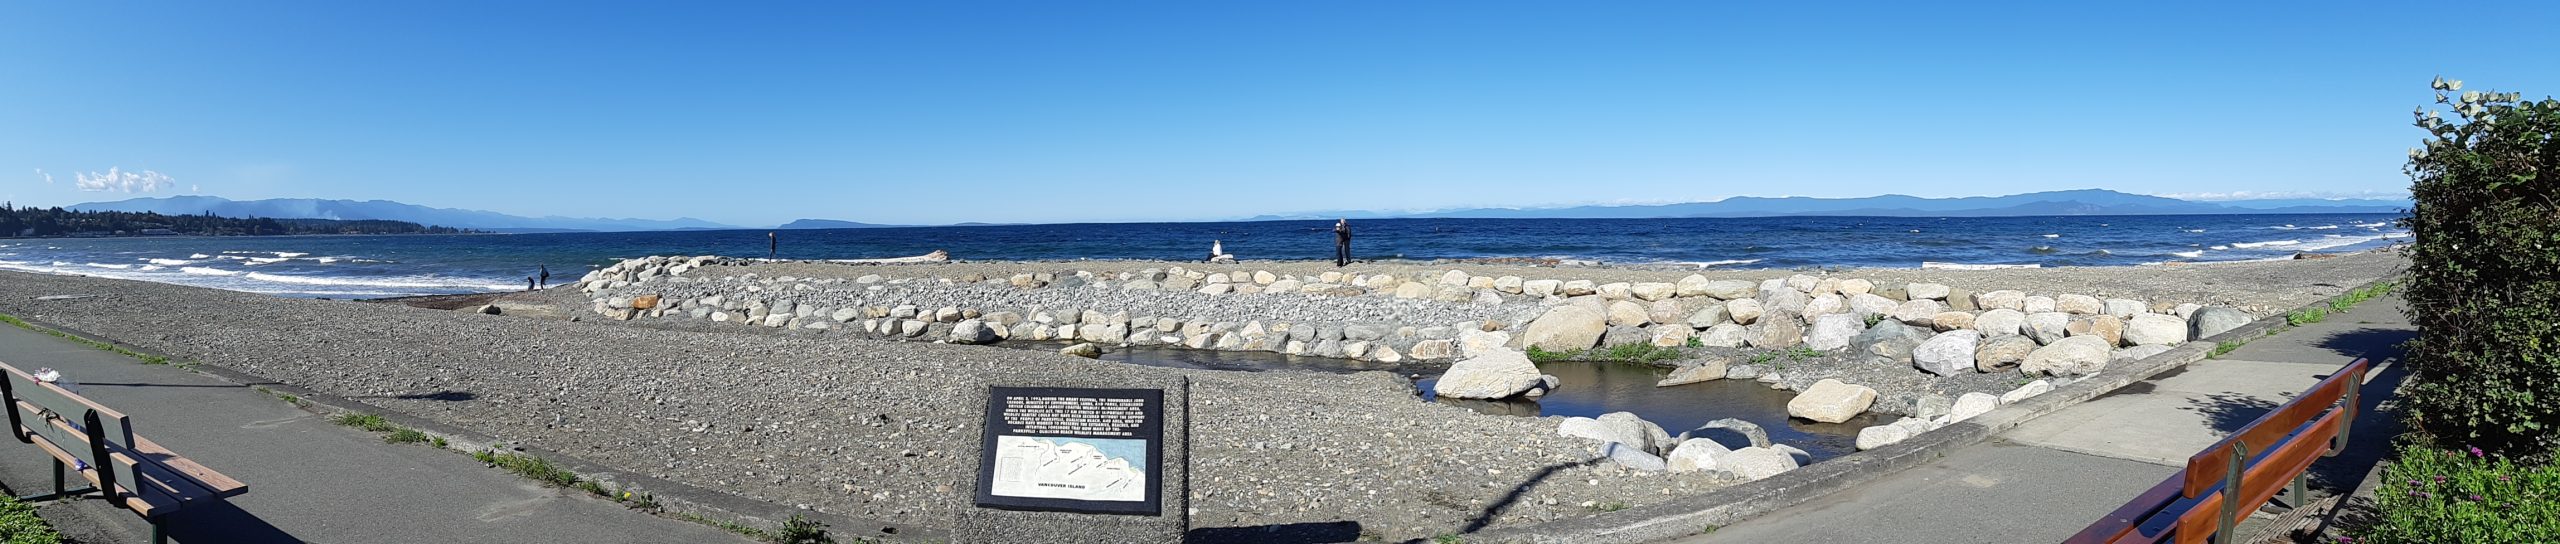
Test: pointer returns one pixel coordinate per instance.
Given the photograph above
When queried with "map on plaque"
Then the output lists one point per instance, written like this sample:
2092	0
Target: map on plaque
1067	449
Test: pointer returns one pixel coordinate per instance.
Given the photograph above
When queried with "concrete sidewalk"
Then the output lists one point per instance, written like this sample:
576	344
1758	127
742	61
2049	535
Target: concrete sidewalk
2045	480
310	480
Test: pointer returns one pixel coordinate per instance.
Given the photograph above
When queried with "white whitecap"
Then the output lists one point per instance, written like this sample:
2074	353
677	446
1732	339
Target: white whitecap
171	262
199	256
113	266
2188	254
2269	243
2053	236
207	271
150	267
1706	264
412	282
289	254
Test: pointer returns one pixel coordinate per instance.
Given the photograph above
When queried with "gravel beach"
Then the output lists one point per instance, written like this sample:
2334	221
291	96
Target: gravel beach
866	428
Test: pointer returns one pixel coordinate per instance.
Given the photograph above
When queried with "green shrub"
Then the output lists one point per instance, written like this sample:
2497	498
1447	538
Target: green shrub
2483	282
2434	495
1537	354
19	524
1639	353
802	530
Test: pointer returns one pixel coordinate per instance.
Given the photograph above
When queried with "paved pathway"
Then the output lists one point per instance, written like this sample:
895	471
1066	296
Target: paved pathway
309	480
2047	479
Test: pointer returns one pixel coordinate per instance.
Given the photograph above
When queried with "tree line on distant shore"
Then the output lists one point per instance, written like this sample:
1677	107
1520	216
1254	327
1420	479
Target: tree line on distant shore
36	222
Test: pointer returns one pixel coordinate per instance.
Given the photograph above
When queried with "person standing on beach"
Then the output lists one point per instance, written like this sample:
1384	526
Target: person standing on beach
1341	243
772	245
546	276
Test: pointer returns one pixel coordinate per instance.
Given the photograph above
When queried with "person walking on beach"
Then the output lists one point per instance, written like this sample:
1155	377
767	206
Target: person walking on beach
546	276
1341	243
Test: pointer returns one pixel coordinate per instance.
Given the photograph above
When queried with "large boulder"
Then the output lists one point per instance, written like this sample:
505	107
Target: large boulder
1628	314
1825	304
1889	339
2149	329
1999	353
1972	404
2000	322
1831	401
1473	342
1696	454
1726	289
1725	335
2125	308
1917	290
2079	305
1881	435
2048	327
2102	326
1776	332
1565	328
1831	332
1918	311
1633	457
1756	463
1498	374
1948	353
2209	321
1541	288
1745	433
1951	320
2039	304
1712	315
1625	335
973	331
1712	368
1670	336
1743	310
2028	391
2074	356
1651	291
1867	304
2001	299
1786	302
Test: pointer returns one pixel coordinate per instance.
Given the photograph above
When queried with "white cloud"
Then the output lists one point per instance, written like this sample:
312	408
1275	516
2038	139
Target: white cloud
117	180
2266	195
48	178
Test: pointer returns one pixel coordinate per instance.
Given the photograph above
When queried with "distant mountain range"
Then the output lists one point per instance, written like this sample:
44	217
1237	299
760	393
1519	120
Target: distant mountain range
394	211
829	224
2076	202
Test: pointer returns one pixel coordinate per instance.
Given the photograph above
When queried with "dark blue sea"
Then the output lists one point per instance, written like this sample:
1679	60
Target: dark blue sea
382	266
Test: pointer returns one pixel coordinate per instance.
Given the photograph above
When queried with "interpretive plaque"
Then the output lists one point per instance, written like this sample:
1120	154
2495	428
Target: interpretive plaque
1098	455
1064	449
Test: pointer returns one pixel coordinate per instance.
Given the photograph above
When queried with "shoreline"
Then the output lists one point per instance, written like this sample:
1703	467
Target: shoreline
862	427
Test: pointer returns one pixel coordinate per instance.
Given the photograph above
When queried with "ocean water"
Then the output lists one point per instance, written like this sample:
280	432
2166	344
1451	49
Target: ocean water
383	266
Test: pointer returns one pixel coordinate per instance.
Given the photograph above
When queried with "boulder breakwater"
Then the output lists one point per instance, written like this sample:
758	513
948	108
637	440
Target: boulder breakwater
1847	345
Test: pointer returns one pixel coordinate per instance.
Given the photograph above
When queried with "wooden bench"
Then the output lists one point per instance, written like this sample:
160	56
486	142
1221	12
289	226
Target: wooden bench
98	443
2242	472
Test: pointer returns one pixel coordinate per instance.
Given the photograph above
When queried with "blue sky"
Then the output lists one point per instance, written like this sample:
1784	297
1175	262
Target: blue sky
939	112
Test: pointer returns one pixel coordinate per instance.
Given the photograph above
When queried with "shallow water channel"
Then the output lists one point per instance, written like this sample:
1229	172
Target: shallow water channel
1589	390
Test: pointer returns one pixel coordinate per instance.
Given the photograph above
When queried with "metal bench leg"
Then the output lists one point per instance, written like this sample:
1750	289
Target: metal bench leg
2301	491
58	491
158	536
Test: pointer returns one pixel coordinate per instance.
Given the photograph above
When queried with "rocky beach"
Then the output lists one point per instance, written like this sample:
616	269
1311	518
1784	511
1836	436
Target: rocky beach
829	386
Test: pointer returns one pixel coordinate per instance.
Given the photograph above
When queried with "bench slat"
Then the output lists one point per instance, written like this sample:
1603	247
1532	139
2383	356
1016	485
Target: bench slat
134	477
2262	480
147	506
2207	468
218	484
2119	525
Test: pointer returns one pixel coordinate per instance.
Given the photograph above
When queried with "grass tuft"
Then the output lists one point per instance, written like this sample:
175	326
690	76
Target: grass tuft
365	421
20	525
531	467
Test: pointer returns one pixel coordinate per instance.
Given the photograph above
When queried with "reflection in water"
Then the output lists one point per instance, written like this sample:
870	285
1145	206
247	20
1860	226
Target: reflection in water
1592	389
1589	390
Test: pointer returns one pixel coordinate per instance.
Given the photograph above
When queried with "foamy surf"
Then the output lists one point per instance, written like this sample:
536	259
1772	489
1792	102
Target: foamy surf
2269	243
2189	254
1710	264
408	282
1934	265
171	262
208	271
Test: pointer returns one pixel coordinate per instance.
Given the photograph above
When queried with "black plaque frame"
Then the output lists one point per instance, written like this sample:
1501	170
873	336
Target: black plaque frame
1151	431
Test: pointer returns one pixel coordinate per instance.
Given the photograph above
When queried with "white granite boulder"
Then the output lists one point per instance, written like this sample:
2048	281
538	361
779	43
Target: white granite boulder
2074	356
1947	354
1565	328
1499	374
1831	401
